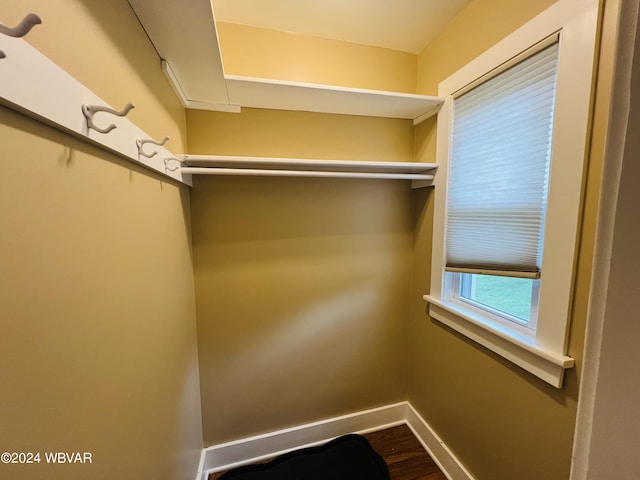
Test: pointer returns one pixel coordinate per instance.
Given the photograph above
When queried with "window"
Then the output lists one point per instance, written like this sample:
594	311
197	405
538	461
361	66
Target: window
497	191
511	145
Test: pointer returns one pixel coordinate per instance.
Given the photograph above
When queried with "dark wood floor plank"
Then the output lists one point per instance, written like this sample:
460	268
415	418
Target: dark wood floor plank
404	454
406	457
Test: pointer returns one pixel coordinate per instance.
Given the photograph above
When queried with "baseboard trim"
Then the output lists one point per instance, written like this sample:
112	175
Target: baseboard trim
249	450
433	444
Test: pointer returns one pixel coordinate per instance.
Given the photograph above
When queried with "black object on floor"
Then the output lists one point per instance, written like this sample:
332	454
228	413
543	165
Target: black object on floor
349	457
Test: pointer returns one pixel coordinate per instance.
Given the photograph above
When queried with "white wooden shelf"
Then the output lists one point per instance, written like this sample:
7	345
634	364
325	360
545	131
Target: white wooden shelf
421	174
184	34
310	97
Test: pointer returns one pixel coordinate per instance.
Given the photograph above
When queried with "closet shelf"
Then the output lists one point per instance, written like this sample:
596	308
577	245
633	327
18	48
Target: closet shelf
421	174
193	64
311	97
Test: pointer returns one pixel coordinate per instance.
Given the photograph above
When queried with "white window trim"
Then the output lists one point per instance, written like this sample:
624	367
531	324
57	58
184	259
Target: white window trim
543	354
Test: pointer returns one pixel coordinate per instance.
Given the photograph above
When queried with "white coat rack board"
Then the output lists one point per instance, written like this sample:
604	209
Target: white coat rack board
32	84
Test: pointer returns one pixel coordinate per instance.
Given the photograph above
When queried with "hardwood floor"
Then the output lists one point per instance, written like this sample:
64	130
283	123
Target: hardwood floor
405	456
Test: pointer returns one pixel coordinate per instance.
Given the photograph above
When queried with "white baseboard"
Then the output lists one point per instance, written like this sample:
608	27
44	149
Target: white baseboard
437	449
249	450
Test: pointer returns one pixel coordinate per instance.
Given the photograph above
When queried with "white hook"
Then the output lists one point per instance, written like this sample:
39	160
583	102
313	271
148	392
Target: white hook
141	144
172	159
90	110
21	29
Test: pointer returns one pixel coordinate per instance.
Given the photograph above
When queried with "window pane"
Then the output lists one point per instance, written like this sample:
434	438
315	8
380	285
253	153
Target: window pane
509	295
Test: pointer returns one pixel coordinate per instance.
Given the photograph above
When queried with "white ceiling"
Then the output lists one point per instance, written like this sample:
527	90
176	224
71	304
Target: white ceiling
406	25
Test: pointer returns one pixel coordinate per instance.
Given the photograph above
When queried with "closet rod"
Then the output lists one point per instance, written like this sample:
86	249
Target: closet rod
303	173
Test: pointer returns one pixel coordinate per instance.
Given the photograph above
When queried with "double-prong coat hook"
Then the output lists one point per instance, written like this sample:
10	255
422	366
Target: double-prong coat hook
141	143
172	159
21	29
90	110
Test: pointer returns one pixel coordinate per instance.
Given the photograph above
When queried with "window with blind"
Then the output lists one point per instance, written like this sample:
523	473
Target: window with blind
499	169
511	138
499	163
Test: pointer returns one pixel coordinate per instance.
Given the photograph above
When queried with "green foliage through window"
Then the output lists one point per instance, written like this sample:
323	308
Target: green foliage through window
506	294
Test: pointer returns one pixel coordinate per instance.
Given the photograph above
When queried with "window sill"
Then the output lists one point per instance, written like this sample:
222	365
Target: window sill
513	346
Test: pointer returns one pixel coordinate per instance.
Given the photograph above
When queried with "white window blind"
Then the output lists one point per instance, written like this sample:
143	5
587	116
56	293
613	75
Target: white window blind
499	170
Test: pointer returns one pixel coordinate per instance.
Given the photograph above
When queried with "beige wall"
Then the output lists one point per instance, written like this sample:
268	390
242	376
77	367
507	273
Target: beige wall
500	421
301	284
98	344
260	52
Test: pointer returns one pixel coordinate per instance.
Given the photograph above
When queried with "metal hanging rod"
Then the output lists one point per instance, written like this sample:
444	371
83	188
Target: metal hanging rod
303	173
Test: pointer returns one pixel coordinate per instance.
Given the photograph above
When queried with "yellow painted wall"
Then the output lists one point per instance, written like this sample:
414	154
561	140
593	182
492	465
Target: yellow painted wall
282	133
500	421
301	284
265	53
97	317
480	25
